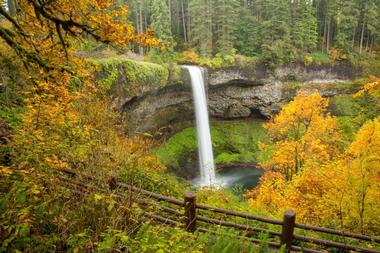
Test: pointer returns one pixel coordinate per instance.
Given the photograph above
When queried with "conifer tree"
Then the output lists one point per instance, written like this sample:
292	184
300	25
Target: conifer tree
201	26
225	21
303	25
347	22
161	20
247	41
275	30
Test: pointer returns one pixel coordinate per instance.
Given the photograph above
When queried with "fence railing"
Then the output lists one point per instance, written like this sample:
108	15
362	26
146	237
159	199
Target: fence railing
189	217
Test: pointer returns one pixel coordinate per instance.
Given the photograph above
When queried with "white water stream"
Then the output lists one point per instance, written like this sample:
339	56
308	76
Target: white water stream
206	157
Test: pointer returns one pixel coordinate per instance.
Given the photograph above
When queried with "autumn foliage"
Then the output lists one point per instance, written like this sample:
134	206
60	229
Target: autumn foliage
310	173
44	35
67	123
302	134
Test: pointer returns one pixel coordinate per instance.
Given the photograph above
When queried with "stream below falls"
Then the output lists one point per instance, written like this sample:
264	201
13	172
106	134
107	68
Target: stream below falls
244	177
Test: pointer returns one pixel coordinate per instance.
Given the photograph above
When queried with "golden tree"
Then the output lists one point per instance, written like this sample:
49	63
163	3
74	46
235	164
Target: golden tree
66	123
43	35
303	132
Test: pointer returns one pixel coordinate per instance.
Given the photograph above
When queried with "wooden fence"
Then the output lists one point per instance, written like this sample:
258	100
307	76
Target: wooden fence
188	214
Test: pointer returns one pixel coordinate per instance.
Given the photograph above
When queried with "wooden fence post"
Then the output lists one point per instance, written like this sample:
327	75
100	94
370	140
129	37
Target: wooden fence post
288	229
190	212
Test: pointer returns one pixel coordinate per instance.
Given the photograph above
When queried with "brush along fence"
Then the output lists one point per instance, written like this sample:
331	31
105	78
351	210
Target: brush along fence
193	217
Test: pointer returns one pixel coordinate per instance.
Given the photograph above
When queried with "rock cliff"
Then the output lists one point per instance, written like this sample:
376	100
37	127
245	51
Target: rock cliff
237	92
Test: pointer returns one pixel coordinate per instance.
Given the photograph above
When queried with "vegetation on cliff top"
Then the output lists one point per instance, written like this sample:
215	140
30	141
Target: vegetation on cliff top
132	74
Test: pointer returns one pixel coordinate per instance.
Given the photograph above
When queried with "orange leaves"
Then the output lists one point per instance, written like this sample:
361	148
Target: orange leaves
47	30
302	133
44	39
342	191
270	194
189	57
297	115
367	141
5	171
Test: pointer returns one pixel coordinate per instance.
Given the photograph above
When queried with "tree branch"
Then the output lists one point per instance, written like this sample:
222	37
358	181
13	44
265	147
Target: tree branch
10	19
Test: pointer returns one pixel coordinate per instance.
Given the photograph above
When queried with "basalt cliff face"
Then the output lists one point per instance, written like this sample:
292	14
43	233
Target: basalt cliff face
235	93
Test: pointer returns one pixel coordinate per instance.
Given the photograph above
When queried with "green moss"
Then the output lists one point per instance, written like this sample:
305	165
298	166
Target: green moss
178	147
225	158
232	142
134	73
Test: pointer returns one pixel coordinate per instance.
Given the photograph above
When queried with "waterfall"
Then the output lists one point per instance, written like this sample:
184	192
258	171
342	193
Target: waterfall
206	157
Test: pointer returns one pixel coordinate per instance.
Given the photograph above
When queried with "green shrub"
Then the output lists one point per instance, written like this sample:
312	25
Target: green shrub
320	57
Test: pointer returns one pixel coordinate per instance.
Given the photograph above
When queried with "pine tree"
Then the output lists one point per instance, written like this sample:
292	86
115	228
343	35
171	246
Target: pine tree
372	15
201	26
347	22
303	25
160	17
247	29
275	30
225	14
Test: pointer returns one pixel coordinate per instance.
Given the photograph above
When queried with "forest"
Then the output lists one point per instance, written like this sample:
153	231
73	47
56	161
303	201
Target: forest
257	108
276	30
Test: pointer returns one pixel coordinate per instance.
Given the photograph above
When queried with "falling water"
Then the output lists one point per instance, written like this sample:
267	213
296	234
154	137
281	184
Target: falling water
206	158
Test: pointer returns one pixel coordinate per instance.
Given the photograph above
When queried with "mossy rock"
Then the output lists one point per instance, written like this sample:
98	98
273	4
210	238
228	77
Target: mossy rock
233	142
127	78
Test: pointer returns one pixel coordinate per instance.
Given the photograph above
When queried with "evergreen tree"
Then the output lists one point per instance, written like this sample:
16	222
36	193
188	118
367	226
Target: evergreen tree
247	29
225	22
160	16
303	25
275	31
347	21
200	19
371	17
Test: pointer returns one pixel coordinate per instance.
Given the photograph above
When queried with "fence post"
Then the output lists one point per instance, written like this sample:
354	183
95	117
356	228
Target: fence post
190	212
288	229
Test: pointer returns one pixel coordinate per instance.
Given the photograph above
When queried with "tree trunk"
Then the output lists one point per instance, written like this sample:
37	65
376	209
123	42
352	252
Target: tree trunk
368	38
210	24
184	22
170	12
372	43
362	38
12	7
178	18
137	25
324	34
141	49
353	38
189	30
328	36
